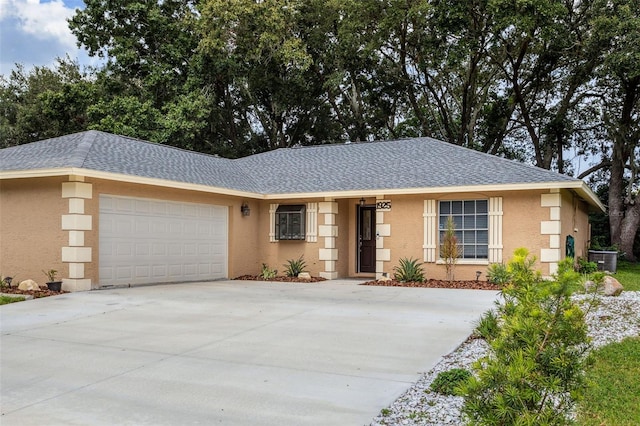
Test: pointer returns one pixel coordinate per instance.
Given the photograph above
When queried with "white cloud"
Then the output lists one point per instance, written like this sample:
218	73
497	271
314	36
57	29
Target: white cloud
35	33
41	20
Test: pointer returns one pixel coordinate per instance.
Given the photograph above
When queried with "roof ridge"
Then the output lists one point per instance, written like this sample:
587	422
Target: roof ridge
511	161
188	151
81	152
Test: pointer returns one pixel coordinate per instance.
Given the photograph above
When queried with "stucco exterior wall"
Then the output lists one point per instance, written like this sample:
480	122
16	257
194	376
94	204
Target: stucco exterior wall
31	235
345	256
276	254
575	222
30	228
521	214
406	236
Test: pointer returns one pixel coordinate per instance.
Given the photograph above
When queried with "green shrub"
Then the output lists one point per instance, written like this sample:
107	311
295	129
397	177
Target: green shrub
487	327
534	372
267	273
586	267
498	273
294	266
408	270
447	382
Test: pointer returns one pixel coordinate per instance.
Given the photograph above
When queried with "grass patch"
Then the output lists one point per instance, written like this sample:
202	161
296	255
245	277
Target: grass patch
614	395
629	275
9	299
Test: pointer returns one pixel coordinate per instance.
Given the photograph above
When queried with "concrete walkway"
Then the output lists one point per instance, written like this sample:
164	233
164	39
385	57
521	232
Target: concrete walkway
229	353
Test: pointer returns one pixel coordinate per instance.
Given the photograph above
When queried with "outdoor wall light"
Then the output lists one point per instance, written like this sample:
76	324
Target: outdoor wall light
244	208
362	201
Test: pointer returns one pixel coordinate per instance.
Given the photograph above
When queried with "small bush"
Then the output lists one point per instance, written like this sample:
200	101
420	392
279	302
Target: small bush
487	327
408	270
586	267
534	372
498	273
448	381
450	251
267	273
294	266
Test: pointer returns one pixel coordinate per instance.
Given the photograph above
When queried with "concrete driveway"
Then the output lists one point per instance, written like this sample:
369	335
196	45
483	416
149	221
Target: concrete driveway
230	353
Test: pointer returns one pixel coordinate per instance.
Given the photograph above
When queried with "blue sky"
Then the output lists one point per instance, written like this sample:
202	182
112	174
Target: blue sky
35	33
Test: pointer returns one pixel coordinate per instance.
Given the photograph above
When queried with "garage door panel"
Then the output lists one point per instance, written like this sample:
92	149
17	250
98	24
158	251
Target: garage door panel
124	249
142	272
124	272
159	249
159	271
175	250
176	271
144	241
123	225
190	269
107	273
125	205
142	249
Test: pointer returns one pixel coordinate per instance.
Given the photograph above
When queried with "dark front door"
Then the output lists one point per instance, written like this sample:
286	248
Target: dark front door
366	239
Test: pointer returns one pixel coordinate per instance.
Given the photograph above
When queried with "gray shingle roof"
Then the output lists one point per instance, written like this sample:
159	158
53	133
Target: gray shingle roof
119	154
399	164
406	163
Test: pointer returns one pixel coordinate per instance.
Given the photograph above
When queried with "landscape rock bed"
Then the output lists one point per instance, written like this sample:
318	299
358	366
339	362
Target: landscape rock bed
470	285
611	320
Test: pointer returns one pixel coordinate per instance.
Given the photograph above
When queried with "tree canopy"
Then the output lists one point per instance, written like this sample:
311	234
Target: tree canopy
540	81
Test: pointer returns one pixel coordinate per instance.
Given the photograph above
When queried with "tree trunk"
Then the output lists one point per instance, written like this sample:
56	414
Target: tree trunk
624	208
629	228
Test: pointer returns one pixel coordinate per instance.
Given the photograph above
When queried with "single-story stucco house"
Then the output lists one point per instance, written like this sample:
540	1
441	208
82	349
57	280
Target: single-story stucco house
109	210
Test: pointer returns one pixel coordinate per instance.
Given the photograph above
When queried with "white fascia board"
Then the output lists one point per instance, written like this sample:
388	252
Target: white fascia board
24	174
579	186
590	197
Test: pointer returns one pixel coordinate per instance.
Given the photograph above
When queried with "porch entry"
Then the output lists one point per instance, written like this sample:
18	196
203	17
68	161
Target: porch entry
366	239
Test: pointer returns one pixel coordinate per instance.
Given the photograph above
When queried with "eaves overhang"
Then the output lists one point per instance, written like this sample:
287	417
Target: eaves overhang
74	171
578	186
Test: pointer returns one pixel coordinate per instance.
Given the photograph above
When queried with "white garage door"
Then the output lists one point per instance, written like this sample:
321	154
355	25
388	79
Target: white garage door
152	241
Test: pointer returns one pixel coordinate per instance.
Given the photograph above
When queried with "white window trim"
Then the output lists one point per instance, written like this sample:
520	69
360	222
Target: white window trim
272	222
312	223
495	230
465	262
311	227
431	234
430	231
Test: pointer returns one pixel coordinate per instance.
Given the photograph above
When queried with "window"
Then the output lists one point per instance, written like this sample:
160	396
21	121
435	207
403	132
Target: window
290	222
471	219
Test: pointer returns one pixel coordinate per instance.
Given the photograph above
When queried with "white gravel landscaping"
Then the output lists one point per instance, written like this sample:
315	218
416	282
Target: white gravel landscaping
611	320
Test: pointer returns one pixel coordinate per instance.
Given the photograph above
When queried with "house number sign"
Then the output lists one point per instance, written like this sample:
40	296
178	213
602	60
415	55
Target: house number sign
383	206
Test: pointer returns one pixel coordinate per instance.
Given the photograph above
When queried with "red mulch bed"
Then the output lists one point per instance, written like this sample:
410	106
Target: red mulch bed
35	293
280	279
471	285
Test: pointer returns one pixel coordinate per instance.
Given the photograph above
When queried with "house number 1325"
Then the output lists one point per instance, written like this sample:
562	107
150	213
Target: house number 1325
383	205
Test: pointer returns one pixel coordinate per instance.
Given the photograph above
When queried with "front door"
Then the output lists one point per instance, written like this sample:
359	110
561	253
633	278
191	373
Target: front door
366	239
